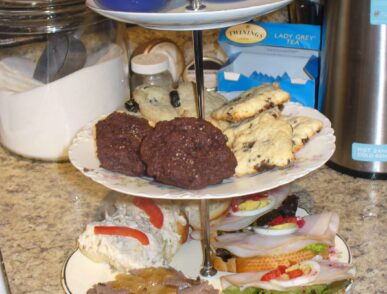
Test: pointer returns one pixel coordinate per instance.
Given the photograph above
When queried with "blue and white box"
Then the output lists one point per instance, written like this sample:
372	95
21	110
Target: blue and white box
272	52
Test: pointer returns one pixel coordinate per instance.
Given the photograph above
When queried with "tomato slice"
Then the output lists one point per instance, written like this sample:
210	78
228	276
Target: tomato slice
295	273
271	275
122	231
279	220
236	201
154	212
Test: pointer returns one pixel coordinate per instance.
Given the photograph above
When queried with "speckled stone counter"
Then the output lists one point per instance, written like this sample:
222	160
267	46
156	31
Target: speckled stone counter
45	206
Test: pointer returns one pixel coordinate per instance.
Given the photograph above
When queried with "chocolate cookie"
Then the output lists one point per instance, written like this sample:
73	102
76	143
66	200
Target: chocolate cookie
187	152
118	138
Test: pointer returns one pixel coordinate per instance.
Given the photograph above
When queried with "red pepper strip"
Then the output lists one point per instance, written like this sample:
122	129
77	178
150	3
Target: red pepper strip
295	273
122	231
154	212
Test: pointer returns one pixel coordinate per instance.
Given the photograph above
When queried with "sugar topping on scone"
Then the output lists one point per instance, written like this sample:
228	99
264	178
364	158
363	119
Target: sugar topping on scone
252	102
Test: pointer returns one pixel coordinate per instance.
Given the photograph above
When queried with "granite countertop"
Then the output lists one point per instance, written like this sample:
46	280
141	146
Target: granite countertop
45	206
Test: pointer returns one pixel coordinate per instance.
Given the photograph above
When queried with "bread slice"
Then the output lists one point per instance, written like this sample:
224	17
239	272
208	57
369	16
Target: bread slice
183	228
263	263
217	209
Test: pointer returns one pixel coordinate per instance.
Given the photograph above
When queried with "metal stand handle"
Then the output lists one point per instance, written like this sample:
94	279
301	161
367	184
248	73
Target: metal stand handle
195	5
207	269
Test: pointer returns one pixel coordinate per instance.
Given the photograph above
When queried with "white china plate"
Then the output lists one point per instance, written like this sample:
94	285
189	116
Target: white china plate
80	273
317	151
175	17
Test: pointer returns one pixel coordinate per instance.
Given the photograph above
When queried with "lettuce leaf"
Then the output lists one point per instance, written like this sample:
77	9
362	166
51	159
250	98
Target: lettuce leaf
314	289
317	247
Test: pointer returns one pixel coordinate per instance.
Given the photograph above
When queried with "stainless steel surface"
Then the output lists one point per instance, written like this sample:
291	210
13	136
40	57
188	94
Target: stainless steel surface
306	11
207	268
199	71
353	81
195	5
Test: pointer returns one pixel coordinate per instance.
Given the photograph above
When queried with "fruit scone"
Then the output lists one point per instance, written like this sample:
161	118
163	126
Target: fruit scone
140	233
261	143
251	102
304	128
158	103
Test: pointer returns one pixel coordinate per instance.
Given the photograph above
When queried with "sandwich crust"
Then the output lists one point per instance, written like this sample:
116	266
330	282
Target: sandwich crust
263	263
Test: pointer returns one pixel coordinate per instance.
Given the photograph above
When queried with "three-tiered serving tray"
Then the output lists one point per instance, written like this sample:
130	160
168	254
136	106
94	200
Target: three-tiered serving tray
195	16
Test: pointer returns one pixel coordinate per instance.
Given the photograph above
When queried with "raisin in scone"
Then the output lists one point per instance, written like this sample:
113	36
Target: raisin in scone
264	145
252	102
304	128
235	129
163	103
118	139
154	103
187	152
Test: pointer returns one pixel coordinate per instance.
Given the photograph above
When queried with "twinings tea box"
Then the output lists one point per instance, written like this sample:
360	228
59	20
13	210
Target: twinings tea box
272	52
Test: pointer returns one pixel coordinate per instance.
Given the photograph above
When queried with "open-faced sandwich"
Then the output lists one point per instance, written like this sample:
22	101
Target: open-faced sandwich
282	241
235	214
153	280
141	233
313	276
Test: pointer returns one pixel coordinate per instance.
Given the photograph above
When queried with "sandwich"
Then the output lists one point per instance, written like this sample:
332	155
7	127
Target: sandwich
153	280
290	240
314	276
230	215
140	233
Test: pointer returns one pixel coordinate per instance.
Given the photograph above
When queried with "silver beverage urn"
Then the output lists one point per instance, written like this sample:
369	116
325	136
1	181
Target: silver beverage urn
353	84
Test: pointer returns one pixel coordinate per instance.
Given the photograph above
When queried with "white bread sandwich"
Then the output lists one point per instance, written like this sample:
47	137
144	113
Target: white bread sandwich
140	233
229	215
314	276
266	248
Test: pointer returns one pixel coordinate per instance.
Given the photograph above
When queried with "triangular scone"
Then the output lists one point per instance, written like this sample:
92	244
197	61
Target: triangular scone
267	144
304	128
251	102
187	93
154	103
235	129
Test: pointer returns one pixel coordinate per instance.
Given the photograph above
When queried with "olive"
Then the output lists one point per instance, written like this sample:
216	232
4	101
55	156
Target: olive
224	254
174	98
132	105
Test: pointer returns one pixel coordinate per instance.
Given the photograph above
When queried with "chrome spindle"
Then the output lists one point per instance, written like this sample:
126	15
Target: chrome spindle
207	268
